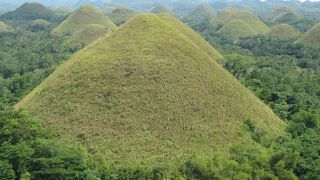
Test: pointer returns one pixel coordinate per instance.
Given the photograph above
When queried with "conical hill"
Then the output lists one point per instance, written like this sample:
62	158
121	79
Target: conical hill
150	92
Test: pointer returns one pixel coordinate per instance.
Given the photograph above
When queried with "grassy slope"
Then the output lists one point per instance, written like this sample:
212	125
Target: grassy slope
4	27
231	13
31	11
88	34
148	93
283	31
121	15
311	38
80	18
237	28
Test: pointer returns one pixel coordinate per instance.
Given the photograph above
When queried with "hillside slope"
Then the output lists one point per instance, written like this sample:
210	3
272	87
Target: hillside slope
149	97
31	11
311	38
251	20
88	34
81	18
4	27
283	31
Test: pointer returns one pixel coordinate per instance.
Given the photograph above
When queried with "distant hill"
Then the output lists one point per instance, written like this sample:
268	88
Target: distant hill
88	34
236	28
203	11
3	10
80	18
149	97
30	11
62	11
235	23
283	31
251	20
284	15
5	28
121	15
311	38
161	8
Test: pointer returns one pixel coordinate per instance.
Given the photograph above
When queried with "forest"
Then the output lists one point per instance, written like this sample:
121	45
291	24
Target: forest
41	72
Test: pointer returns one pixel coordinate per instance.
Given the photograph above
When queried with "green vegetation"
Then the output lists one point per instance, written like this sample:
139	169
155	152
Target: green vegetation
121	15
311	38
30	11
236	28
150	98
3	10
283	31
28	151
88	34
161	8
77	20
26	58
229	14
5	28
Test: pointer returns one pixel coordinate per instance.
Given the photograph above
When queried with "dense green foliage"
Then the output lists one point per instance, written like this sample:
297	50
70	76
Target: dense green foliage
29	151
27	58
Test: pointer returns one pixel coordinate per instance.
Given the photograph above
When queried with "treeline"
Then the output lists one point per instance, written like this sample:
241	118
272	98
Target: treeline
29	151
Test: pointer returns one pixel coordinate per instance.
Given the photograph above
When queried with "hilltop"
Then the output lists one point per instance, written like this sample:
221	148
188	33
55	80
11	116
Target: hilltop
161	8
121	15
251	20
81	18
203	11
88	34
149	97
311	38
31	11
236	28
283	31
5	28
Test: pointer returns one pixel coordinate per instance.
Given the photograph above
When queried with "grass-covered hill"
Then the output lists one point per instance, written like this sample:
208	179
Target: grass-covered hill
203	11
283	31
5	28
121	15
229	14
311	38
236	28
161	8
149	97
31	11
284	15
88	34
80	18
